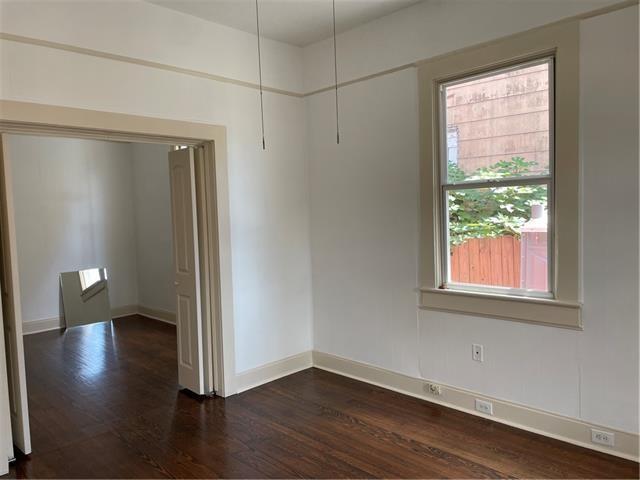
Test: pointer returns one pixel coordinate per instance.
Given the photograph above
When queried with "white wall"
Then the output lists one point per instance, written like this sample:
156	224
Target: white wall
365	218
364	193
84	203
152	202
268	190
145	31
73	202
609	63
427	29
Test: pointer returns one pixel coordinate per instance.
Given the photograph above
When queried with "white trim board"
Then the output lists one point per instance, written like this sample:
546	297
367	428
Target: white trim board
117	312
157	314
30	327
220	78
570	430
41	325
272	371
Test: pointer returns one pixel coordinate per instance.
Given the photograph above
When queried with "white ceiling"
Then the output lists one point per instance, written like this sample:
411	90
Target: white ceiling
297	22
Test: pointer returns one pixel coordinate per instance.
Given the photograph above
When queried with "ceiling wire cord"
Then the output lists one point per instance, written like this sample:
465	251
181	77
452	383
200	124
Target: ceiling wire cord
335	73
264	146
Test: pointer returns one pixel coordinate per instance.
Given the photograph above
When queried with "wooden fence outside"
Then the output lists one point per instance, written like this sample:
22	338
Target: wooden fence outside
487	261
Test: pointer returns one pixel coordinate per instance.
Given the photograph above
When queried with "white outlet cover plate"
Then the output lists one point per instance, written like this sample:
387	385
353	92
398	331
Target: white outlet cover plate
602	437
477	352
484	407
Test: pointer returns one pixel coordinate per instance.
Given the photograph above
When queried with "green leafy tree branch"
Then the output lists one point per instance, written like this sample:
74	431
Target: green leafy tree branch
496	211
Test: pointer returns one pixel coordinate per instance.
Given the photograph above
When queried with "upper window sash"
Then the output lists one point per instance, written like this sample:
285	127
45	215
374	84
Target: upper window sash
443	150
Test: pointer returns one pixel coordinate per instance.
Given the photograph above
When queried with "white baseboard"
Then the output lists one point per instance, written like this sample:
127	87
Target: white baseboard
124	311
272	371
157	314
41	325
55	323
544	423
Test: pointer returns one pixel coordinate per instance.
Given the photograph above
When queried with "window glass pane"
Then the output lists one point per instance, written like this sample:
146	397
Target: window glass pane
90	277
498	125
498	237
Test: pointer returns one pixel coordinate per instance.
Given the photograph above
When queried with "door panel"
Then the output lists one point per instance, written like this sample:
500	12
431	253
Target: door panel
187	274
186	355
11	310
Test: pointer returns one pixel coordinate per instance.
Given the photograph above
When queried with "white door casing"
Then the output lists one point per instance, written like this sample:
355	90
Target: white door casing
30	118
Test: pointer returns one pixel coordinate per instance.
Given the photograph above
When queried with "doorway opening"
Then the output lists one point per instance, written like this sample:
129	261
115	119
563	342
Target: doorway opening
196	219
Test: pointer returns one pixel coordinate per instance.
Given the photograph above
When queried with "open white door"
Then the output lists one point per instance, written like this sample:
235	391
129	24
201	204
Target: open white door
6	438
11	309
187	272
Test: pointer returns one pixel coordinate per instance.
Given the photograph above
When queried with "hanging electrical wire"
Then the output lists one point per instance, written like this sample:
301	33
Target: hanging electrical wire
335	73
264	146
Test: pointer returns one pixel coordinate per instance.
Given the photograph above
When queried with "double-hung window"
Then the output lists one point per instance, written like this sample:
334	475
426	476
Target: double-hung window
499	179
496	180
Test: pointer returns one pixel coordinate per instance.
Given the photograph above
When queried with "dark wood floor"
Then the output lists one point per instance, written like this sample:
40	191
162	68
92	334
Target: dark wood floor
104	403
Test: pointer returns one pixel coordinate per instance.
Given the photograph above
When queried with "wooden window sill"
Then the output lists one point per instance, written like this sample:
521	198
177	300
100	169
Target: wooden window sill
543	311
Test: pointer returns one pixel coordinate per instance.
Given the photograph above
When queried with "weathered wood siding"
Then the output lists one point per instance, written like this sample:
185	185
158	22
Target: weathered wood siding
501	117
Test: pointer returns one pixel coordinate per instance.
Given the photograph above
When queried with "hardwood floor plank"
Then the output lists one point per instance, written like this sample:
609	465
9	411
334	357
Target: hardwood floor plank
510	453
104	403
528	452
426	461
313	439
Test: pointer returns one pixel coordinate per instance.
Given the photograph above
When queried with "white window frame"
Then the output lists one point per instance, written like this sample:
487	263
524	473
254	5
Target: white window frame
561	306
445	186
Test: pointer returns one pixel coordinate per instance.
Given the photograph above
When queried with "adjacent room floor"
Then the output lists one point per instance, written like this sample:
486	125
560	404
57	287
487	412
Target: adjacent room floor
104	402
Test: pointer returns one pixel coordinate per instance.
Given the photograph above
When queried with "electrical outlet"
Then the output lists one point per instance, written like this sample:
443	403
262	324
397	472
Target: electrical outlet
433	388
603	438
484	406
477	352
